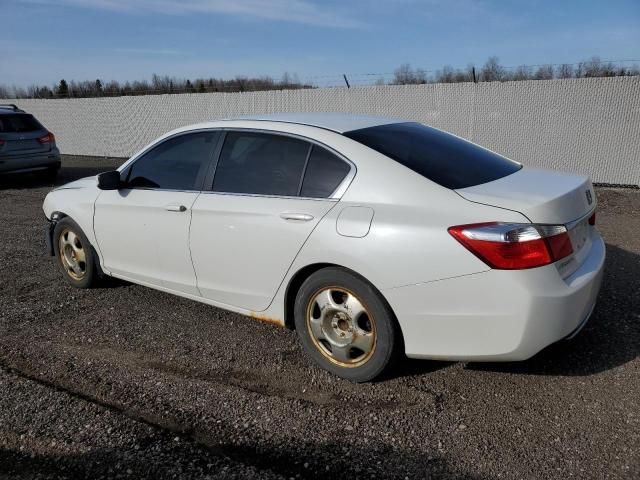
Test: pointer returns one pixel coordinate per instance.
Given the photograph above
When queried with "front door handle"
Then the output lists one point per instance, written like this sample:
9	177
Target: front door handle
176	208
297	217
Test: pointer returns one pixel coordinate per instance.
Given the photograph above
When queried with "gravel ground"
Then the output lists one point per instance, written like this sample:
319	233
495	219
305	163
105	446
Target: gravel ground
127	382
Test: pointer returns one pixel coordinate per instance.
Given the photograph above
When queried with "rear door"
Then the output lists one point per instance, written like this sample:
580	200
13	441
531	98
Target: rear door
20	134
143	228
268	194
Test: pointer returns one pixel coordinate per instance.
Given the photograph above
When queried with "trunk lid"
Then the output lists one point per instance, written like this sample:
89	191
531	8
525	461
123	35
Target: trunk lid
545	197
24	143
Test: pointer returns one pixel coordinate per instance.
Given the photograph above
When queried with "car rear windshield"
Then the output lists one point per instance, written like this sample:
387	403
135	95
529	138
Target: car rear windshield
18	123
441	157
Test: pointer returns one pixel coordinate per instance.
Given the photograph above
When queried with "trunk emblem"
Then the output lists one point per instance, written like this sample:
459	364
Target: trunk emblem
589	197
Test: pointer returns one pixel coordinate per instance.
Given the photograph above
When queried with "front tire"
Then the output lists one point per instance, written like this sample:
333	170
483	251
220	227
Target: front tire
345	325
74	255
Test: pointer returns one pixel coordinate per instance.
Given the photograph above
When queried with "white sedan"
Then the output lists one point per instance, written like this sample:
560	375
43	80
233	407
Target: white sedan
371	237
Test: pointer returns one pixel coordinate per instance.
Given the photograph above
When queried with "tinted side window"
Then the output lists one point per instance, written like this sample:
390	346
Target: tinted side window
177	164
436	155
324	173
260	163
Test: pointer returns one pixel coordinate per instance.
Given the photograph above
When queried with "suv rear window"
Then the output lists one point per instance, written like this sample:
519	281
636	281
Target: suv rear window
18	123
441	157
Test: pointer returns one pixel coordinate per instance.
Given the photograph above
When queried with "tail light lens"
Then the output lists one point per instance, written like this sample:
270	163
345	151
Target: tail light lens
514	246
48	138
592	219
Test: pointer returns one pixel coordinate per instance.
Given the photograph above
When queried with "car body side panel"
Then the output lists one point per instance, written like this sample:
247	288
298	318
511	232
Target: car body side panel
242	245
497	315
75	200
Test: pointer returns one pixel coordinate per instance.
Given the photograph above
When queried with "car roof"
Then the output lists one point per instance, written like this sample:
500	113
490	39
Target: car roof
337	122
10	108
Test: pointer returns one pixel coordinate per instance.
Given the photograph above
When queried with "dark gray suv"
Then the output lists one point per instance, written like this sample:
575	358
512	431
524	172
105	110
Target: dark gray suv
25	145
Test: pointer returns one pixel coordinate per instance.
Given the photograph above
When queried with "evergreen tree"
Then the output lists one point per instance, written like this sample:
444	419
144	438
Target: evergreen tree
63	89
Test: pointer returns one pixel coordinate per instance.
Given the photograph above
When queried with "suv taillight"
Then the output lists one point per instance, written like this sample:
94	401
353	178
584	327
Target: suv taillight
48	138
514	246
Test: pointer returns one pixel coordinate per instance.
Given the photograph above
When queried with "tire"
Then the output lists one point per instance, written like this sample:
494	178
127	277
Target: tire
345	325
74	255
51	173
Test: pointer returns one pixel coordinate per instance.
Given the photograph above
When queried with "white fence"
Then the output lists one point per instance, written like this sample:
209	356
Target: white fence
589	125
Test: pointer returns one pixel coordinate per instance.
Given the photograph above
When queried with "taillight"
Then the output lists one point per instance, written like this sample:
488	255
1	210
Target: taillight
592	219
1	142
48	138
514	246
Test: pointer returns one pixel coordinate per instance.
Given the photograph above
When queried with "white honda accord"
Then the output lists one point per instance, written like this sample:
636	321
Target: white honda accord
371	237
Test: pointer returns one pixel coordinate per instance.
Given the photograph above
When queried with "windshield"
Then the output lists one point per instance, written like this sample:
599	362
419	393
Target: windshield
439	156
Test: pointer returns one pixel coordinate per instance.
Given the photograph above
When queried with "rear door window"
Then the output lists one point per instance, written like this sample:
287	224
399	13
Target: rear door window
179	163
260	163
19	123
439	156
325	171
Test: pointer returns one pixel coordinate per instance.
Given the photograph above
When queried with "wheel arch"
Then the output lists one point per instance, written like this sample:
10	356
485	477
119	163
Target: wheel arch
305	272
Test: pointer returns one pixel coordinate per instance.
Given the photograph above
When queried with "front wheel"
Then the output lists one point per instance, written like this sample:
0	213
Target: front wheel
74	254
345	325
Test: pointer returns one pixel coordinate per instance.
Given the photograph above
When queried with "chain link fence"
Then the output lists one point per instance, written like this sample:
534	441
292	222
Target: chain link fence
584	125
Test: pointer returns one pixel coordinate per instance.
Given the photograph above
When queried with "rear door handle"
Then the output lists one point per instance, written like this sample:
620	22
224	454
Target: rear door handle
176	208
297	217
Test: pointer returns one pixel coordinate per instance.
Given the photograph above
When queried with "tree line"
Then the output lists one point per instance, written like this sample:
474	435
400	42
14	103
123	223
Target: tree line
405	74
156	86
493	71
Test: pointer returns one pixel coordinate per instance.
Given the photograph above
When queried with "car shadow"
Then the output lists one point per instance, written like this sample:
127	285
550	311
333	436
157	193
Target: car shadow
610	339
215	458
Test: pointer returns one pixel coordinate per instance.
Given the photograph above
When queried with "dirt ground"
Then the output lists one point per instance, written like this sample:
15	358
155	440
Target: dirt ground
127	382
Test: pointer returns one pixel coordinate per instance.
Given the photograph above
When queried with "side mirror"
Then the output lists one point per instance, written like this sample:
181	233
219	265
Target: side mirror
109	180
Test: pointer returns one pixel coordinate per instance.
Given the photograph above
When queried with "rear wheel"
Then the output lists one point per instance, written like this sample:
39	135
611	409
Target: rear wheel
74	254
51	172
345	325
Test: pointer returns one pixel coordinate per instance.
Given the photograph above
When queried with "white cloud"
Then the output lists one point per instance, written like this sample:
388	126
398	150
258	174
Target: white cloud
298	11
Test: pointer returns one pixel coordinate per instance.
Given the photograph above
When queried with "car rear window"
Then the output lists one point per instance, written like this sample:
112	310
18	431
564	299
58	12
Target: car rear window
18	123
439	156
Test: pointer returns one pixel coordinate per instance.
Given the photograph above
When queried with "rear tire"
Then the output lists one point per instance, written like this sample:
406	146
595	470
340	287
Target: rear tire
51	173
74	254
345	325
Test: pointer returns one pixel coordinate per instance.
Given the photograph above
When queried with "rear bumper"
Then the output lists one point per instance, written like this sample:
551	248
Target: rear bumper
26	163
497	315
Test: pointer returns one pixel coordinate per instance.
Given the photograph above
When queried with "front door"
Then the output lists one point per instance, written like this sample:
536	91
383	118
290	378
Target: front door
143	228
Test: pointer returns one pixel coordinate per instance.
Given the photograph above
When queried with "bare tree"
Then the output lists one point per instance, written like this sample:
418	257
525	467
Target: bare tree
404	75
544	72
446	75
521	73
565	71
492	71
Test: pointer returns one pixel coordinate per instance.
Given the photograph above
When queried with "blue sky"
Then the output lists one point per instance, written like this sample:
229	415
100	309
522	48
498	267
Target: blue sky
42	41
